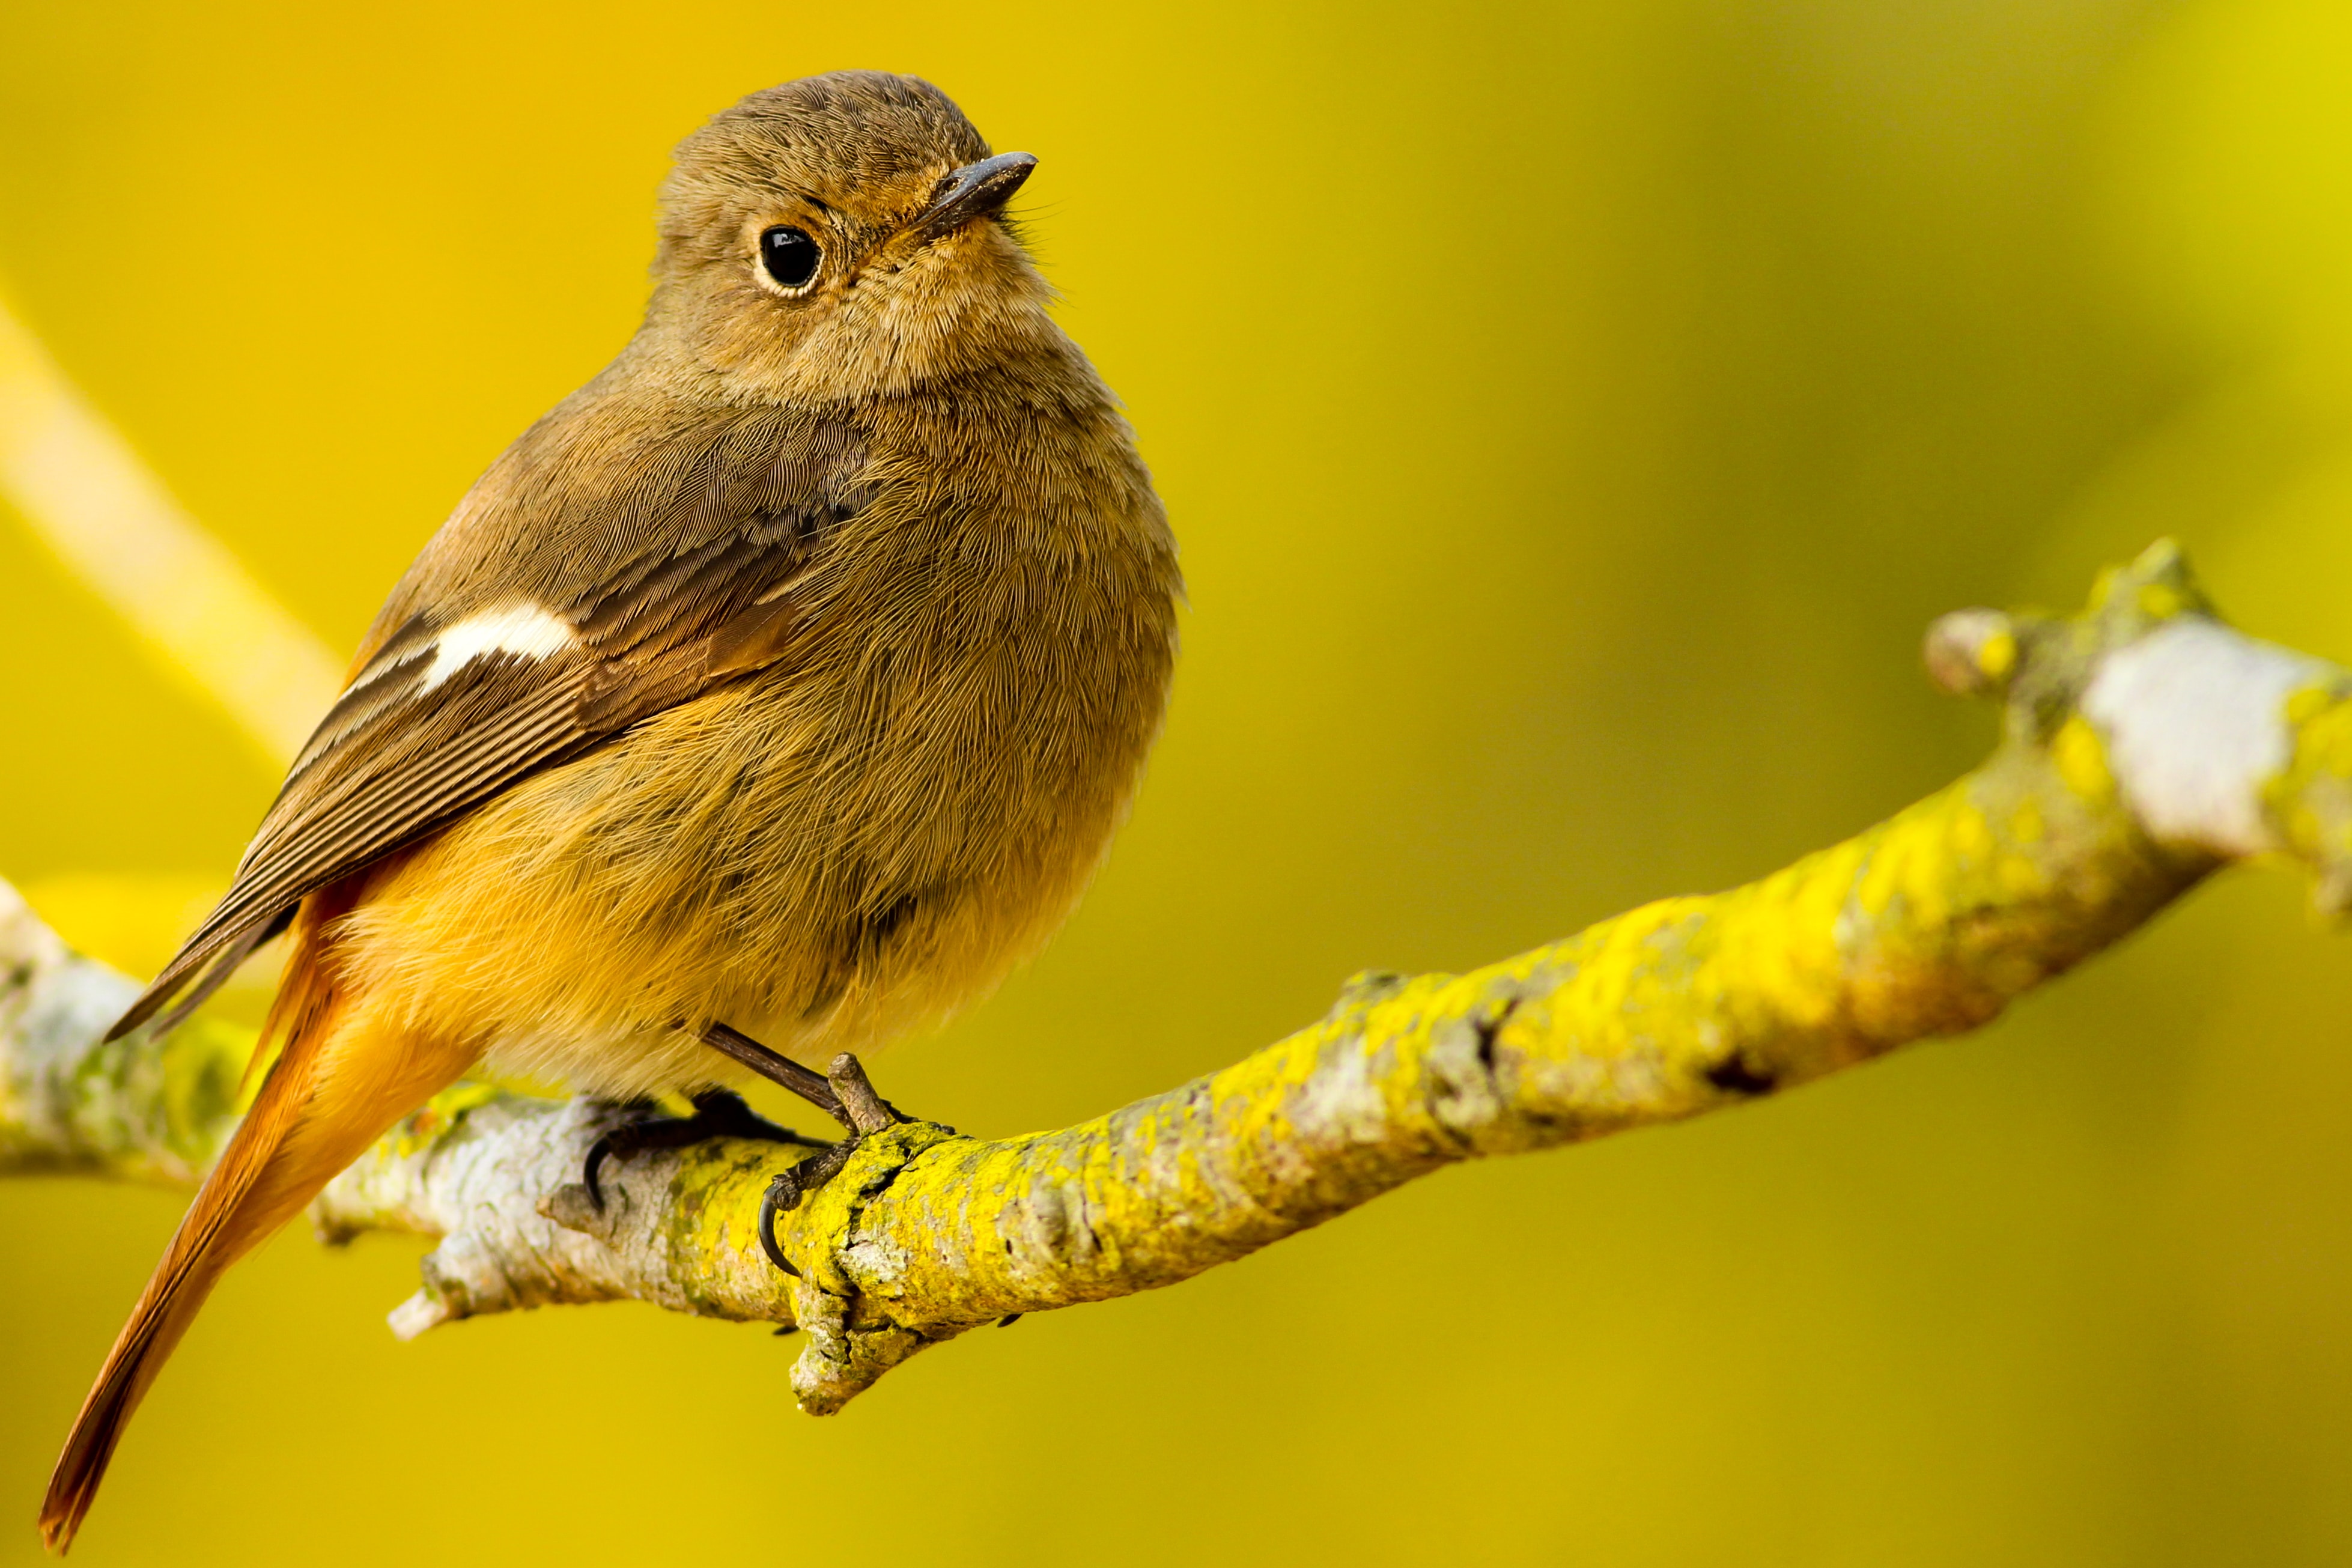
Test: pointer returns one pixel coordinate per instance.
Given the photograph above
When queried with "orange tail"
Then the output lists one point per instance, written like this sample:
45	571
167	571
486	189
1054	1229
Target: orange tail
343	1081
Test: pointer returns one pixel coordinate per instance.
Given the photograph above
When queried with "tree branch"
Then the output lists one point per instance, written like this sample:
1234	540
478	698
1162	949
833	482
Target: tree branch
2144	744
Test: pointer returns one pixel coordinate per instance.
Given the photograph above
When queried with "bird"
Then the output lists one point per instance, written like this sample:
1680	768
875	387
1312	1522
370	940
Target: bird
780	691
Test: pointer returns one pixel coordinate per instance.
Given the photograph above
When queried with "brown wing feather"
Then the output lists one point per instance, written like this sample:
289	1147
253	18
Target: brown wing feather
704	599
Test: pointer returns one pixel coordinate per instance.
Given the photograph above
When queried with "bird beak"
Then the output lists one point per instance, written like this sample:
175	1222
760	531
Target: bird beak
973	192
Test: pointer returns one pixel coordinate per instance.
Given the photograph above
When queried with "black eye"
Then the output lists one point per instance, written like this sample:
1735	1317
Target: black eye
790	256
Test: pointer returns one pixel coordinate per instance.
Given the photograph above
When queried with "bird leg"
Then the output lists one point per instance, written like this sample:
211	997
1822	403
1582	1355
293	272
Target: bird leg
845	1094
717	1113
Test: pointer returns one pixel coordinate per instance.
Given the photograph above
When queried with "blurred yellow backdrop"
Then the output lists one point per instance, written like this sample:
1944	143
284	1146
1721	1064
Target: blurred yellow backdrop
1572	413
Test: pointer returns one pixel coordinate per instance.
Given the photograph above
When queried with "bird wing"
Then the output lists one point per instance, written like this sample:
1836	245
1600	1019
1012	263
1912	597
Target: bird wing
460	703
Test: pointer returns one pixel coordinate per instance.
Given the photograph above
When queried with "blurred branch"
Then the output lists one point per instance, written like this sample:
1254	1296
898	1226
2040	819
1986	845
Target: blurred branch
141	1109
2144	746
113	524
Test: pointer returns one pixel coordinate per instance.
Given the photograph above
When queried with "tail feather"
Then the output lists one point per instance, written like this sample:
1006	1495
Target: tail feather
343	1079
200	968
219	1229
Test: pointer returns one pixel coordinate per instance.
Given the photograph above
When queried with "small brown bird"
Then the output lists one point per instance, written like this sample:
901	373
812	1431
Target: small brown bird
787	681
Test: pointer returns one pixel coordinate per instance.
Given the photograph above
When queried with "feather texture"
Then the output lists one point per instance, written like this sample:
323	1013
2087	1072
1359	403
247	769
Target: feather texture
429	726
793	673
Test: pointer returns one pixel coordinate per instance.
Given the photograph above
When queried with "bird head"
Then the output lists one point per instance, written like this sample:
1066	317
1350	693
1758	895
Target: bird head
842	236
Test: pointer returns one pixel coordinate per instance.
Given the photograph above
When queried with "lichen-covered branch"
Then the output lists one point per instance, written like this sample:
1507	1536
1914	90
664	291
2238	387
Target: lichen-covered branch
140	1109
2144	746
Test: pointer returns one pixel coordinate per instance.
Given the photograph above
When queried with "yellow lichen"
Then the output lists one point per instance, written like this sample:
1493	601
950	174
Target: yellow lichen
2082	760
1997	655
2161	601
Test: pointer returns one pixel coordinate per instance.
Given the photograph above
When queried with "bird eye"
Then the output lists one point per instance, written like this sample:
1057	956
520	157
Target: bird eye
789	255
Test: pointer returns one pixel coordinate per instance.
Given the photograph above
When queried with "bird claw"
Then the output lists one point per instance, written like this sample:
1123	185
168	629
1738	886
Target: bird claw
845	1094
717	1113
788	1186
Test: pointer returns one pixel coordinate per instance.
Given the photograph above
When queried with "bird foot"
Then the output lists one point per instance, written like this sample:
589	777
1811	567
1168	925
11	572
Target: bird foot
845	1093
861	1112
717	1113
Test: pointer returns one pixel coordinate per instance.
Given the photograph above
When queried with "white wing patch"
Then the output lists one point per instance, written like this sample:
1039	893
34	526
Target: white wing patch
524	630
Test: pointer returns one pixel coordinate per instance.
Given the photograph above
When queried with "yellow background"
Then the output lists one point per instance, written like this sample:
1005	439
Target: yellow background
1573	415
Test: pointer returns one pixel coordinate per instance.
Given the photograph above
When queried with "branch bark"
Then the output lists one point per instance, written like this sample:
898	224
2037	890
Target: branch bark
2144	746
